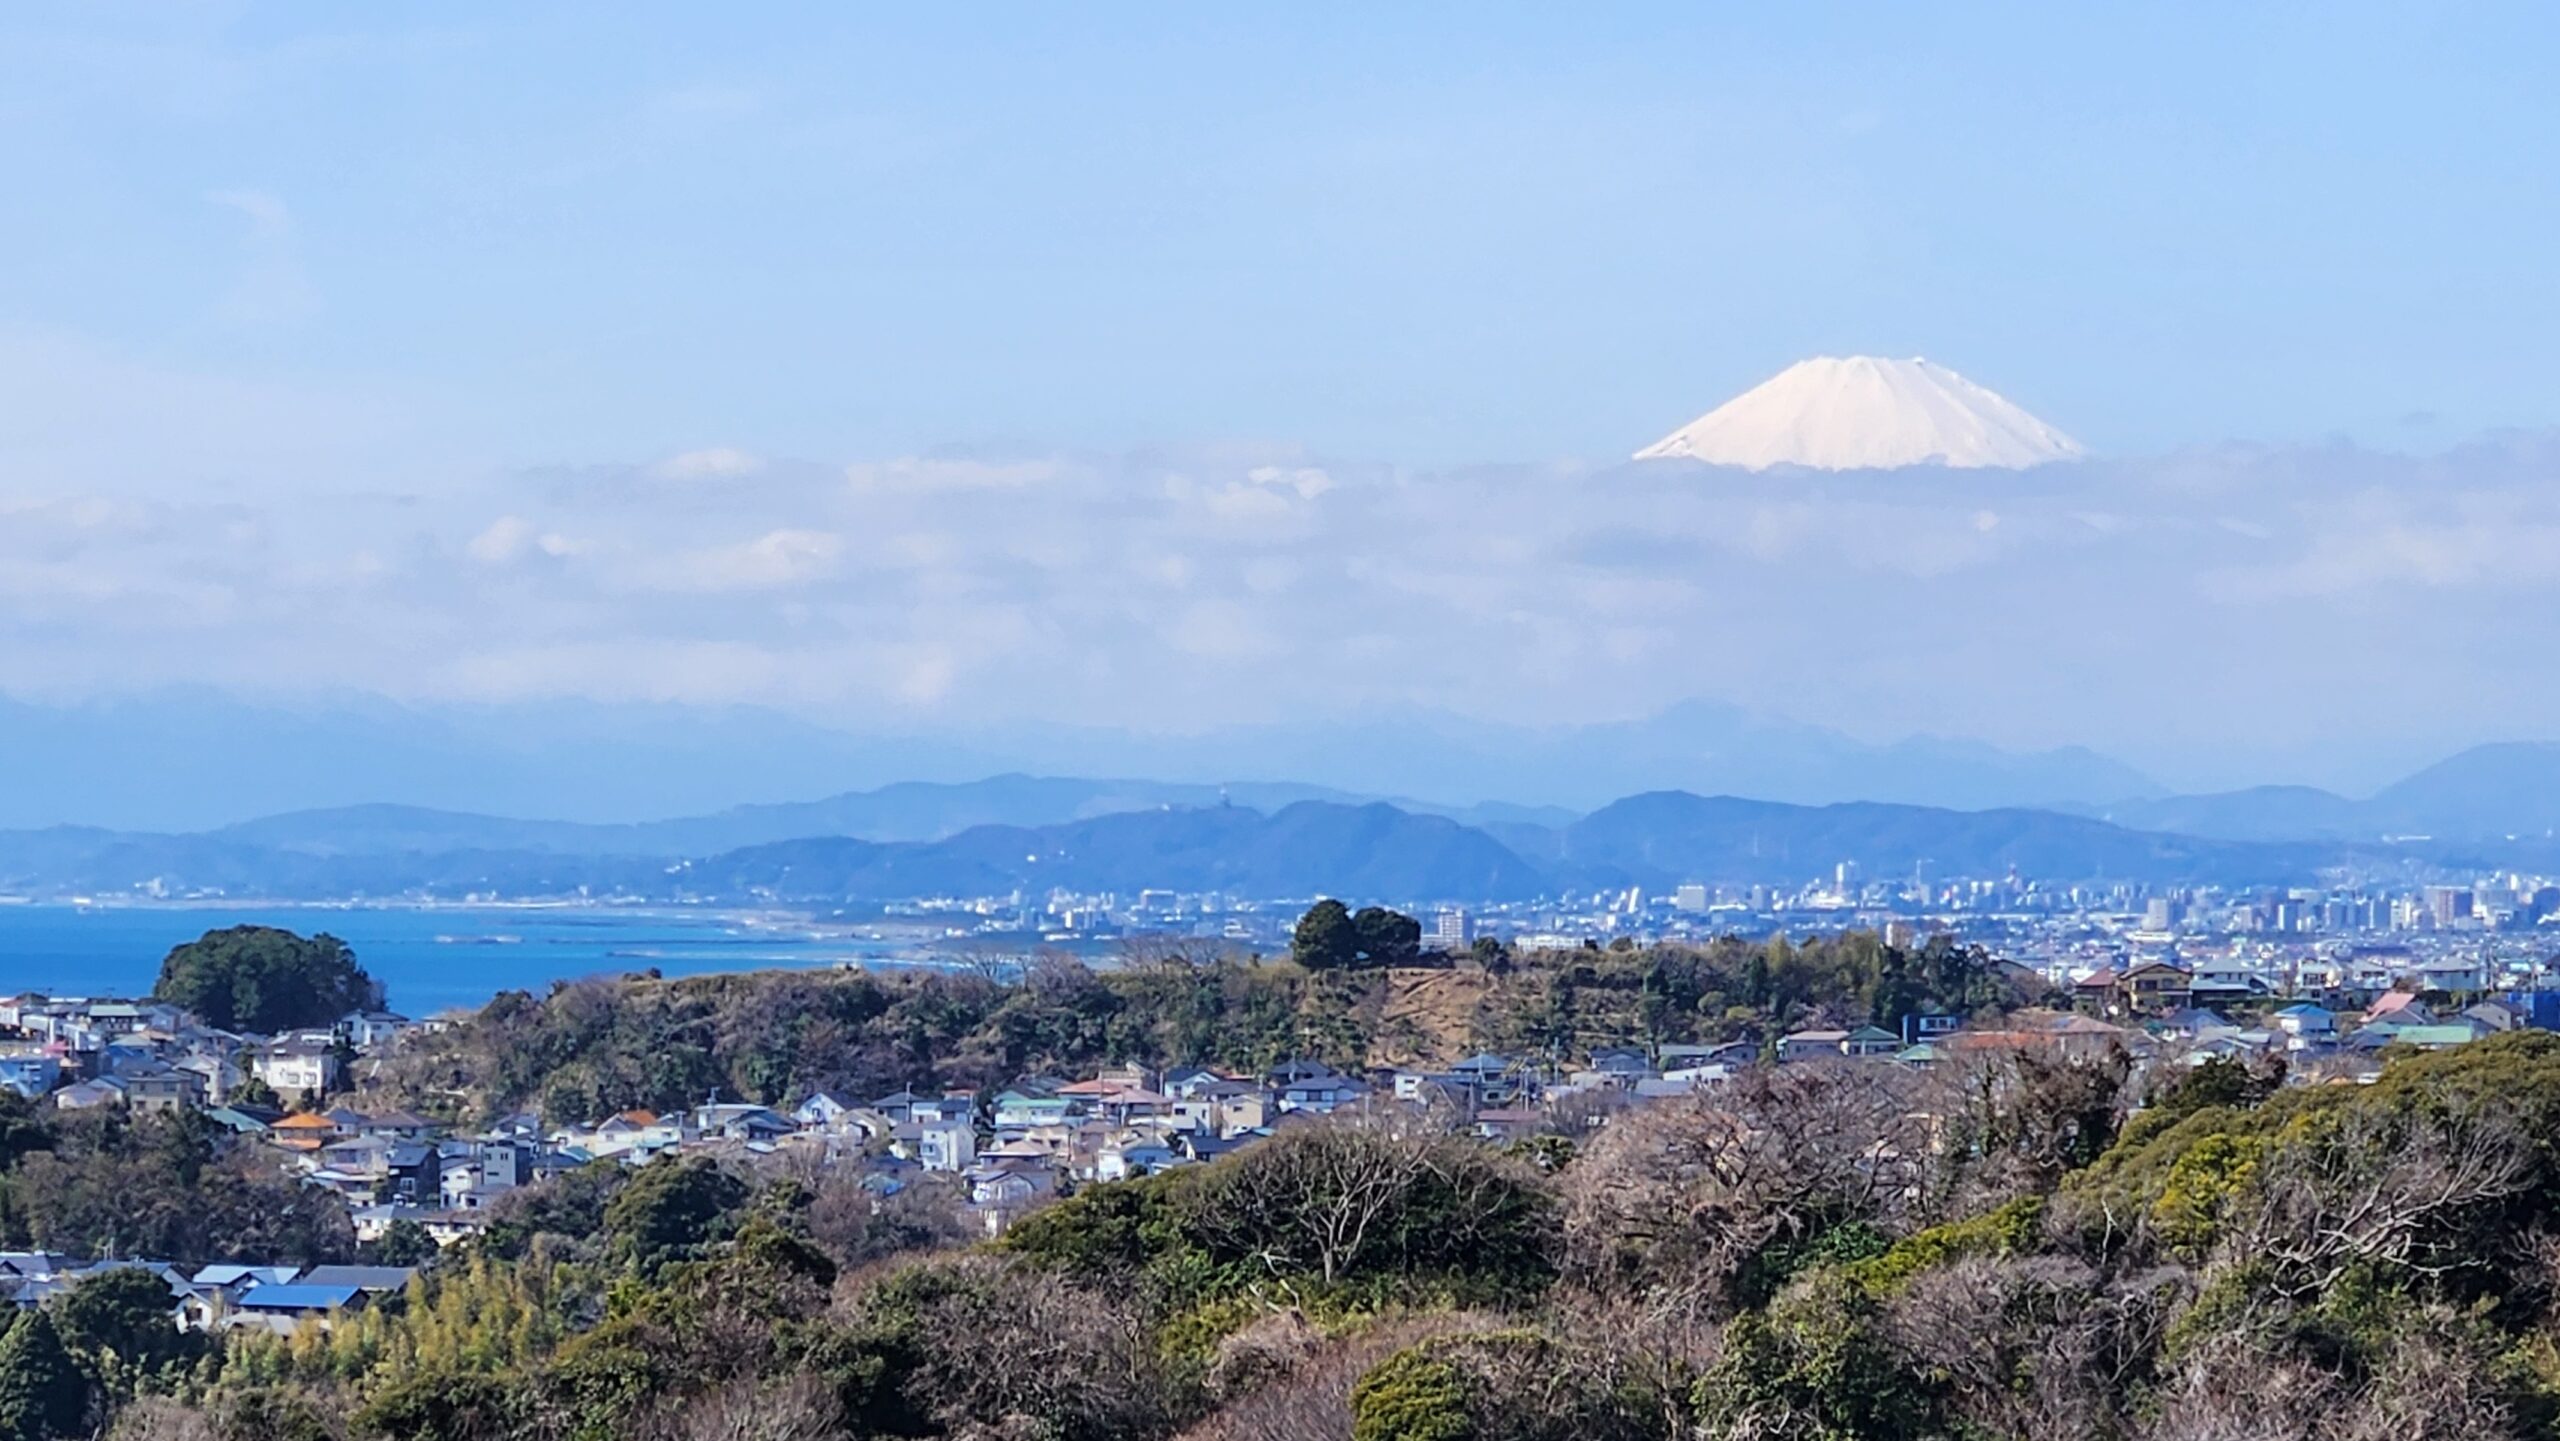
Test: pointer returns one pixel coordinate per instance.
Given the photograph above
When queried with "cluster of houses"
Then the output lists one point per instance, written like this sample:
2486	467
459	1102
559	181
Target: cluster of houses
1012	1149
2343	1027
224	1297
146	1056
151	1055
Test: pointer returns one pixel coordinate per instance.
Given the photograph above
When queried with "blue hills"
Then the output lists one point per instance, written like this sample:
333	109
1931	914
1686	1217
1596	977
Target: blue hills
1294	847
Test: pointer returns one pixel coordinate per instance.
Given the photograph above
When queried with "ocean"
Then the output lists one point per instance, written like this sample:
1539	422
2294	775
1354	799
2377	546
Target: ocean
430	959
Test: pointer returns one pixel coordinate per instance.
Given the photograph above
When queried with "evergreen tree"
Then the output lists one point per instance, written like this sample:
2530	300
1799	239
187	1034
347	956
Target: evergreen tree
118	1322
43	1394
673	1206
405	1243
259	978
1387	938
1325	939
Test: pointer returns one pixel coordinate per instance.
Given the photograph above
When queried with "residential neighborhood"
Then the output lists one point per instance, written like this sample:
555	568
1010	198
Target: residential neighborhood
1001	1152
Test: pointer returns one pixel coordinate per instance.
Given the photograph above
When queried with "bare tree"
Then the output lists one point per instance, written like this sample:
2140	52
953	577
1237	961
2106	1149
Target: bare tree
994	964
1314	1201
2012	1120
1161	953
2035	1345
1006	1349
2241	1385
1306	1394
2418	1193
1333	1198
1681	1193
797	1408
154	1419
1056	976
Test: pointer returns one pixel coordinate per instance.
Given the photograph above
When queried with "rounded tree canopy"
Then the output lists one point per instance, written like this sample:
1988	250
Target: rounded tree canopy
1325	938
260	978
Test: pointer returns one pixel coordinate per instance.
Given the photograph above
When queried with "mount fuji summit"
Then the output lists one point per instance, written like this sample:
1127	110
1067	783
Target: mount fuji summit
1865	413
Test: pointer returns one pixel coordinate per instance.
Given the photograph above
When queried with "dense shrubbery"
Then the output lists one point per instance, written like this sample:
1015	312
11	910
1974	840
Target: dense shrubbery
1343	1205
106	1183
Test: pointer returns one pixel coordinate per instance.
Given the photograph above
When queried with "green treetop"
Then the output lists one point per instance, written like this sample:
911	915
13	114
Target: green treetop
259	978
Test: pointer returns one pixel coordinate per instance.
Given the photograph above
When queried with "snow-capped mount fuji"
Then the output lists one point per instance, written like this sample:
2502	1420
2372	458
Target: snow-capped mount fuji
1865	413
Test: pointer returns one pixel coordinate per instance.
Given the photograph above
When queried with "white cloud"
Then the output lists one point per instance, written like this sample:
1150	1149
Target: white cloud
507	537
1308	481
512	538
716	463
1121	591
778	558
926	678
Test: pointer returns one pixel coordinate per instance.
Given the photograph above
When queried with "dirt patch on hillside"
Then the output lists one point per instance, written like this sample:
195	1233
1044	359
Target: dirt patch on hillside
1428	1017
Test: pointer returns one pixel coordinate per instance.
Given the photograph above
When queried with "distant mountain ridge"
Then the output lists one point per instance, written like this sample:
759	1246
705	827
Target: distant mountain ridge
2489	792
2489	807
1372	850
905	811
1667	837
1300	850
193	760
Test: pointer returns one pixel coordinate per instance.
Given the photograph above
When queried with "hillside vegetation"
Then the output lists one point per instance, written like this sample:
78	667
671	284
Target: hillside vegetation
1824	1252
595	1047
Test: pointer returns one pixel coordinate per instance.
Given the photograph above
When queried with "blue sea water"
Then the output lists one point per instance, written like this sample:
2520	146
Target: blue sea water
429	959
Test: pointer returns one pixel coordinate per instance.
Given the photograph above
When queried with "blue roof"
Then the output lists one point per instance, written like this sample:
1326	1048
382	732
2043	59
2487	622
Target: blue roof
297	1298
223	1273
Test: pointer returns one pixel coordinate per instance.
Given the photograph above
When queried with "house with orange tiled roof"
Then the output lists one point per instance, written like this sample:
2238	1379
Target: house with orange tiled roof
305	1131
2399	1006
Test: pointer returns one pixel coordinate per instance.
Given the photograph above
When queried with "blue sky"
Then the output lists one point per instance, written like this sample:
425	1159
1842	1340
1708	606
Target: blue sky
1437	234
1110	365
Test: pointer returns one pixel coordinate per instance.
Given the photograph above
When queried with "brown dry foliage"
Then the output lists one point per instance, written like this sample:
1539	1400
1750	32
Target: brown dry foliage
2235	1387
1003	1346
2034	1345
1675	1197
798	1408
1308	1398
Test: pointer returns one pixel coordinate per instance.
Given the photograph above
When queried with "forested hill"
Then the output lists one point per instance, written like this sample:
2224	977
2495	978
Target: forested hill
596	1047
1300	849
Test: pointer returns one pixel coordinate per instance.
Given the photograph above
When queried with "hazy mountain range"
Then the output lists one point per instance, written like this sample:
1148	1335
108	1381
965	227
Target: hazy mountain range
2489	806
191	761
2490	792
1372	851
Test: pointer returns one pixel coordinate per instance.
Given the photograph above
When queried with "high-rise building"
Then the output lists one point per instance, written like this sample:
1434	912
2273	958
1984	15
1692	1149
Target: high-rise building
1452	930
2447	905
1691	898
